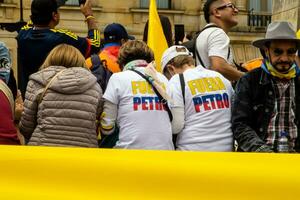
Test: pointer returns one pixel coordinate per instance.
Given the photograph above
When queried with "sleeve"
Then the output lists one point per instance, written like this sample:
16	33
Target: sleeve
174	91
218	44
29	116
87	45
242	115
112	90
176	105
108	118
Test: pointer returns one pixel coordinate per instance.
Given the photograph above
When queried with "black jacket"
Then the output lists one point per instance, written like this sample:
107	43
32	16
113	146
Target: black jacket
253	104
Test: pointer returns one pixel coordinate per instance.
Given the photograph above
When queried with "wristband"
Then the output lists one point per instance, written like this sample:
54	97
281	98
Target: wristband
89	17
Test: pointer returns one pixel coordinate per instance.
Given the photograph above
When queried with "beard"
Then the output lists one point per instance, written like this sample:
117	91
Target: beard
282	67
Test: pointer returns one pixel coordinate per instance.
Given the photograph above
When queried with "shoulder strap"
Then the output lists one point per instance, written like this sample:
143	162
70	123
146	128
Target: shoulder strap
49	84
161	99
182	84
95	59
7	92
197	53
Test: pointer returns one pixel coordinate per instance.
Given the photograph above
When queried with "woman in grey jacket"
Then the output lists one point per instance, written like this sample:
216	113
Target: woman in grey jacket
62	102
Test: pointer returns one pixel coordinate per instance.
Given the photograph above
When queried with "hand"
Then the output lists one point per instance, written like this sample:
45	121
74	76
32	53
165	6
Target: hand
264	149
86	9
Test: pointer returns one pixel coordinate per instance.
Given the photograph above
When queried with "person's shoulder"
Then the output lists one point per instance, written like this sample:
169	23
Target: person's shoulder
65	32
253	73
174	79
162	77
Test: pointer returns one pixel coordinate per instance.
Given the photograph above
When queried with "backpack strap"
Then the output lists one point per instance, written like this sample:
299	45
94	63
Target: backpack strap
161	99
100	71
49	84
182	84
95	59
197	53
7	92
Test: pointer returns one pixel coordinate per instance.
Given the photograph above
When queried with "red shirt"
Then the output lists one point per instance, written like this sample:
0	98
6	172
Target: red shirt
8	132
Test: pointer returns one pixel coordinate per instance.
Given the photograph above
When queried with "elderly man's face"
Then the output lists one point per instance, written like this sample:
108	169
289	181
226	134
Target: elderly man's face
282	54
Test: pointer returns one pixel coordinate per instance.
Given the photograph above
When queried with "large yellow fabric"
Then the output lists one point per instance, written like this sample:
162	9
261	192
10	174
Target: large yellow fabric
79	173
156	38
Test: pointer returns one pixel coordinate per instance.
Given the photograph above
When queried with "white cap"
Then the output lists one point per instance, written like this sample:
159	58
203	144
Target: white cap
171	53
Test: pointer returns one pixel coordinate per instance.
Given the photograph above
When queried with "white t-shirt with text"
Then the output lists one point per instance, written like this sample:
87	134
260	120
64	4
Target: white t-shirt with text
207	125
143	122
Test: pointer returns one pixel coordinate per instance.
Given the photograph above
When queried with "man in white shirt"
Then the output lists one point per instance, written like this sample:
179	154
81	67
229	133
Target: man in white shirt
212	45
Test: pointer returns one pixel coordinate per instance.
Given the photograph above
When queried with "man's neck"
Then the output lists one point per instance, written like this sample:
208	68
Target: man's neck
221	25
39	27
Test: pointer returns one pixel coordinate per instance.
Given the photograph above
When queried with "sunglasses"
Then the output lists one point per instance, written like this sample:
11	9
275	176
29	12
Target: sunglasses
279	52
229	5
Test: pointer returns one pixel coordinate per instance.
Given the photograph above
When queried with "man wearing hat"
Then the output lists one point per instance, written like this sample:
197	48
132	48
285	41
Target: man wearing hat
36	40
266	108
114	36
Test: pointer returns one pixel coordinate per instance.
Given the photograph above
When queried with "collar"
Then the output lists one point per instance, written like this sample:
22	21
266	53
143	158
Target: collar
111	44
135	63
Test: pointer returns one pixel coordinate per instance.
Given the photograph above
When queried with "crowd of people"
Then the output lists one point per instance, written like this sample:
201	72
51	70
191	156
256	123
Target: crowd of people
77	93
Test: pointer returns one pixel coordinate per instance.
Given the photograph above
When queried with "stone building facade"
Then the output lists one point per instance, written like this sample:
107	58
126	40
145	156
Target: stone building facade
133	14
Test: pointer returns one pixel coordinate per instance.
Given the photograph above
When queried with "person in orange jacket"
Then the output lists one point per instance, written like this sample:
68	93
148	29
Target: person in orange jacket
114	36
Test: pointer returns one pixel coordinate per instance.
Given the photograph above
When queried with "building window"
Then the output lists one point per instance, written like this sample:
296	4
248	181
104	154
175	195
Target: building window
260	6
161	4
259	13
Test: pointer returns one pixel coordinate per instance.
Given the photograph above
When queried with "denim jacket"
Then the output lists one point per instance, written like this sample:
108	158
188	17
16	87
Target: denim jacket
253	104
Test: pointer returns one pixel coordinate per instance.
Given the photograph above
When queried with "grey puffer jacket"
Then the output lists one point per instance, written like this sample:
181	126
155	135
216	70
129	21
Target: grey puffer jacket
67	114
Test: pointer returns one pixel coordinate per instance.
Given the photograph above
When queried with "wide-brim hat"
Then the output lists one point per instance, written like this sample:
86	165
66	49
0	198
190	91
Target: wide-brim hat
279	30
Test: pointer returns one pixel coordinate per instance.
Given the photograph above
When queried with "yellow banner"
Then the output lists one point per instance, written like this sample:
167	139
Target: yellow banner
80	173
156	38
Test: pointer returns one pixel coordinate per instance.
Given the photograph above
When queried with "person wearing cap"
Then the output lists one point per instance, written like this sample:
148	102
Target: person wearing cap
266	107
175	60
115	35
8	131
201	104
37	39
213	49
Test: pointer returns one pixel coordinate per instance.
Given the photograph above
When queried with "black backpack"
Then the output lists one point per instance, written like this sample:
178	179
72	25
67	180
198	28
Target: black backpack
100	71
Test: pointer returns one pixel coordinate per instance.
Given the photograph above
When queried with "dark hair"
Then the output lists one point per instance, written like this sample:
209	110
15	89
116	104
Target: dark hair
206	9
167	28
134	50
41	11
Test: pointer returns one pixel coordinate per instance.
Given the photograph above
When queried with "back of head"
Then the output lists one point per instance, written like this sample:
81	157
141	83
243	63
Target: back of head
134	50
115	33
167	28
5	63
206	9
41	11
66	56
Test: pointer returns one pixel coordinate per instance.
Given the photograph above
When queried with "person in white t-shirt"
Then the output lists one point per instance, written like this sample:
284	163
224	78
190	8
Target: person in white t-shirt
131	103
201	106
212	44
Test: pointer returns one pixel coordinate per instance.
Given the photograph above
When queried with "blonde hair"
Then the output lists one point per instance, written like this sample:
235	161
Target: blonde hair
64	55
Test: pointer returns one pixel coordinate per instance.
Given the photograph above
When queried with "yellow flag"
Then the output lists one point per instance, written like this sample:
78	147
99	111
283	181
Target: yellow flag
156	38
298	34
